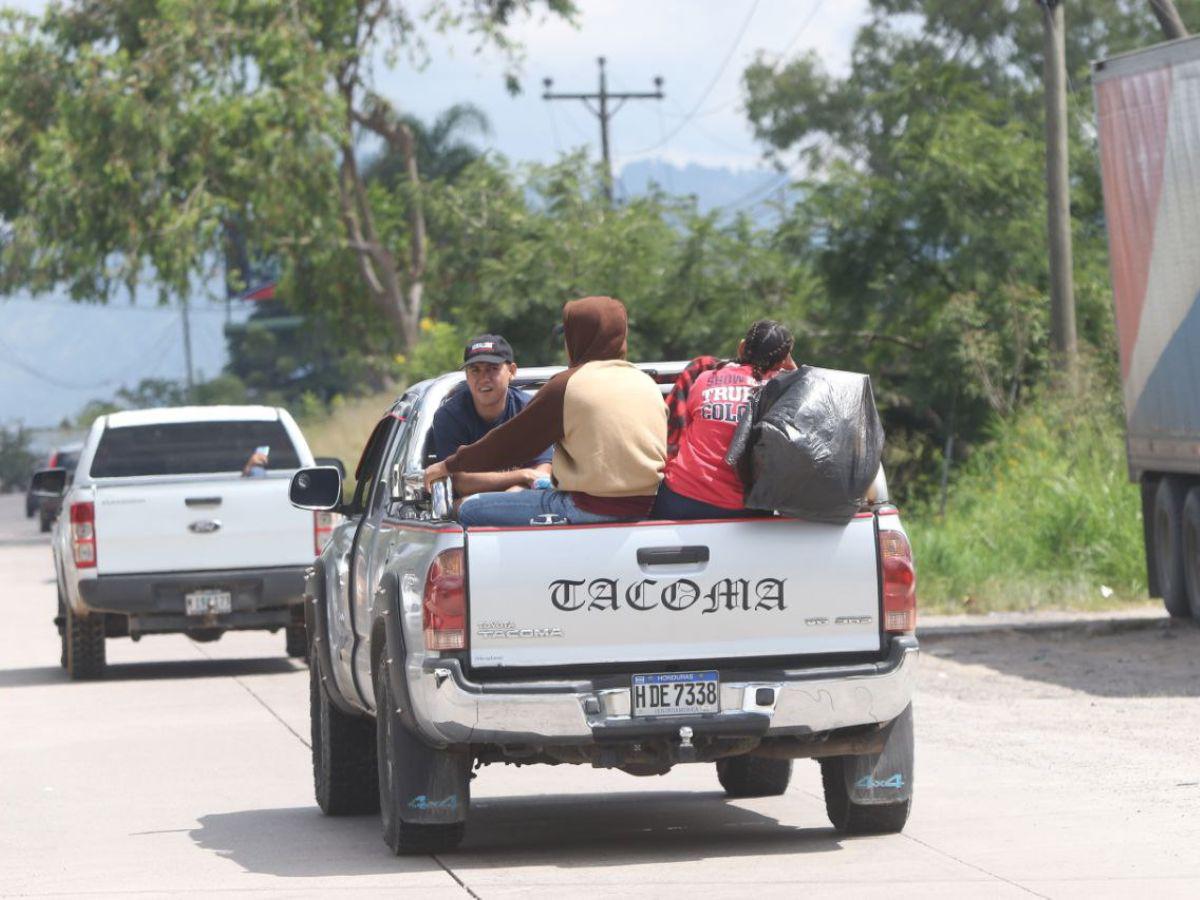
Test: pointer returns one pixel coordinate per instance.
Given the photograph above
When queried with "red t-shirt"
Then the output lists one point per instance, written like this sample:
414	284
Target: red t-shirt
716	402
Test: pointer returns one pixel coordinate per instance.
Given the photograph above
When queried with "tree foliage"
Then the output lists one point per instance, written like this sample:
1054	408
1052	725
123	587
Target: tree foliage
924	204
138	132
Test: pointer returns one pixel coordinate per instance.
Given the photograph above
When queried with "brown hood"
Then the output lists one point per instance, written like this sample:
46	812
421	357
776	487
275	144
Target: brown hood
595	328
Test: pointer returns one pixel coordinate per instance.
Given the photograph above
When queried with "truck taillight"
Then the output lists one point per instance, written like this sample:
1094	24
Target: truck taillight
83	535
899	582
322	529
444	611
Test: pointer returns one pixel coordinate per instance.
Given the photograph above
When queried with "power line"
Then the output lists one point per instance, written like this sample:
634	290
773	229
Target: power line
711	84
782	57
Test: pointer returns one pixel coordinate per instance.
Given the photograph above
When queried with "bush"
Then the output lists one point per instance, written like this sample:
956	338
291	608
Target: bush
1042	514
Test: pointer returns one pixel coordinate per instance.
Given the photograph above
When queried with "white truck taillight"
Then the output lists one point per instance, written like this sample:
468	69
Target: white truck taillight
83	535
899	582
323	522
444	611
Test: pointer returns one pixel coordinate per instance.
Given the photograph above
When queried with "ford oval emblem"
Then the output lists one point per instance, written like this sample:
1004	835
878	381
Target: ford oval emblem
205	526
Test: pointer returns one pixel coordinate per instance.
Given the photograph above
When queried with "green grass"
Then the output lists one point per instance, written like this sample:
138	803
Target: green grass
1043	516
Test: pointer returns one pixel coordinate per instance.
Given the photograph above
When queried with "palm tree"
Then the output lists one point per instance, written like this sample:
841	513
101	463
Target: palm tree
442	152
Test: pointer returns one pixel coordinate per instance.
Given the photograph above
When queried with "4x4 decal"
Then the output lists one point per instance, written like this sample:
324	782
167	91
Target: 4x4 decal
423	802
869	782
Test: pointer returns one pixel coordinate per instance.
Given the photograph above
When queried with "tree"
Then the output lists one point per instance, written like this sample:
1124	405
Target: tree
136	133
923	211
441	148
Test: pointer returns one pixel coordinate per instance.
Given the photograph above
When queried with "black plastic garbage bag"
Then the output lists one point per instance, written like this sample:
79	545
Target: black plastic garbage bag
810	444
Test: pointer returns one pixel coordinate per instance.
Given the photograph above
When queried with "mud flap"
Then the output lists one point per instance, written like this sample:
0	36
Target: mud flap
433	786
887	776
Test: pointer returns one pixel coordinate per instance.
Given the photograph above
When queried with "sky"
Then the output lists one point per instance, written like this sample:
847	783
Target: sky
55	356
699	47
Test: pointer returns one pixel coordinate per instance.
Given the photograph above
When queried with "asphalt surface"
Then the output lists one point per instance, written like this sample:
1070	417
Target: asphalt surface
1058	763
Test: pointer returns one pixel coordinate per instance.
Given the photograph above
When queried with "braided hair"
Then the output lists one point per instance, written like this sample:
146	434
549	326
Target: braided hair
767	344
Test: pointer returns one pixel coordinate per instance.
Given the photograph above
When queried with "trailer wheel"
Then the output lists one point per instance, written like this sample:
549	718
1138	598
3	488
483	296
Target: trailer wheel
85	646
1168	545
343	754
424	792
1191	550
751	776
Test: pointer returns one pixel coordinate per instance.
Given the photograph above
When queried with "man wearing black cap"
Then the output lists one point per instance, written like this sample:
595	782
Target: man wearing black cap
467	415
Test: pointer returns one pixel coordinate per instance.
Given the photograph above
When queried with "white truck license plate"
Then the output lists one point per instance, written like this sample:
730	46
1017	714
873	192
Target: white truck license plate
200	603
676	693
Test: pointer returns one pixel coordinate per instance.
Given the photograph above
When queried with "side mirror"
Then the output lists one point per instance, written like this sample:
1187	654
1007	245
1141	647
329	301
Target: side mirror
317	488
443	499
333	461
49	482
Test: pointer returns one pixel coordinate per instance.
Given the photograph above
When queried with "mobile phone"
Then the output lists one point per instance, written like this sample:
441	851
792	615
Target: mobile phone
265	450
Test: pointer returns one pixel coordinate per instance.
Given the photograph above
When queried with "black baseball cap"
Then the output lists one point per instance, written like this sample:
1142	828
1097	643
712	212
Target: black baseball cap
487	348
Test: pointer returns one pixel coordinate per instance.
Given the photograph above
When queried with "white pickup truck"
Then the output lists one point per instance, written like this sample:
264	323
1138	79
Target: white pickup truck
161	532
639	645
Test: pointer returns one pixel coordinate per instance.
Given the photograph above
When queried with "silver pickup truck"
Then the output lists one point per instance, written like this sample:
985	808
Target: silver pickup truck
638	646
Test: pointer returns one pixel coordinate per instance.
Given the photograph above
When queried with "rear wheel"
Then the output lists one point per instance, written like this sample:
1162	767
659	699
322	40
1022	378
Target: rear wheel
1191	550
423	792
872	793
85	646
1168	545
343	755
750	776
44	523
296	641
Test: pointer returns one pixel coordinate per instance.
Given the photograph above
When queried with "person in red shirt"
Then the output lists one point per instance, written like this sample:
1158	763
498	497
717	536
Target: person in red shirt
704	407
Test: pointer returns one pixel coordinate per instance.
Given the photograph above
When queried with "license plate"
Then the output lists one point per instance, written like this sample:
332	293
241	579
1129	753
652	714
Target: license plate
201	603
676	693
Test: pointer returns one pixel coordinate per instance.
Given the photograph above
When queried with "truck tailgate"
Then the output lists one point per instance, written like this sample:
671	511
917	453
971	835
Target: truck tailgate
199	525
657	591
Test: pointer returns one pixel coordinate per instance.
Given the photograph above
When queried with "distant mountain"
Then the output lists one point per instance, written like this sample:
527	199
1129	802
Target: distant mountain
714	187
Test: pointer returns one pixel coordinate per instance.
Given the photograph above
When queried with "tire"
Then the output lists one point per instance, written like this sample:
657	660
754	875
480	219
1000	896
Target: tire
85	646
424	793
44	524
872	794
750	776
61	624
1168	545
296	641
343	755
1190	546
30	508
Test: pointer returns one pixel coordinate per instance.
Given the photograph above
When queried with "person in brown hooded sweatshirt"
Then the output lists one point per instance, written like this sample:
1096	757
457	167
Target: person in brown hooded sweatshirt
606	419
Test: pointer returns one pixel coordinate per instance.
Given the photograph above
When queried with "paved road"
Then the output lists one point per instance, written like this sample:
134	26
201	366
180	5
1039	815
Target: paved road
1061	764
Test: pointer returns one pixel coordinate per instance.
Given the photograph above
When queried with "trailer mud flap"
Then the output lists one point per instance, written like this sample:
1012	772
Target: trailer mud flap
887	776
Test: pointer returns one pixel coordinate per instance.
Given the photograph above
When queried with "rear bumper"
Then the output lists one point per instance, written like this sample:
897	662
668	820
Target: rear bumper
450	709
261	598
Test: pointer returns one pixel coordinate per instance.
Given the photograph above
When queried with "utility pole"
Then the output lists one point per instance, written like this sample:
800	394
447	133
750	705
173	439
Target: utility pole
1169	19
187	349
1058	198
603	96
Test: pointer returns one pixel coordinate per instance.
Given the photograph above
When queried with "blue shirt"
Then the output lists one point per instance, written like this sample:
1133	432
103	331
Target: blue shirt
456	423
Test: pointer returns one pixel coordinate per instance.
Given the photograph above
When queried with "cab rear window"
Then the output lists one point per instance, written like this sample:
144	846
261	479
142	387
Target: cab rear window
190	448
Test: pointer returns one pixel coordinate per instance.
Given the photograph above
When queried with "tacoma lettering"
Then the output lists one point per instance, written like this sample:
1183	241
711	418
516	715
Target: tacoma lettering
645	594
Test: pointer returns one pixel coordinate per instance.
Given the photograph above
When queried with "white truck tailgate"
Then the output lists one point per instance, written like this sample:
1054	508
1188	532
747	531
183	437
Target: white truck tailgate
199	525
657	591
